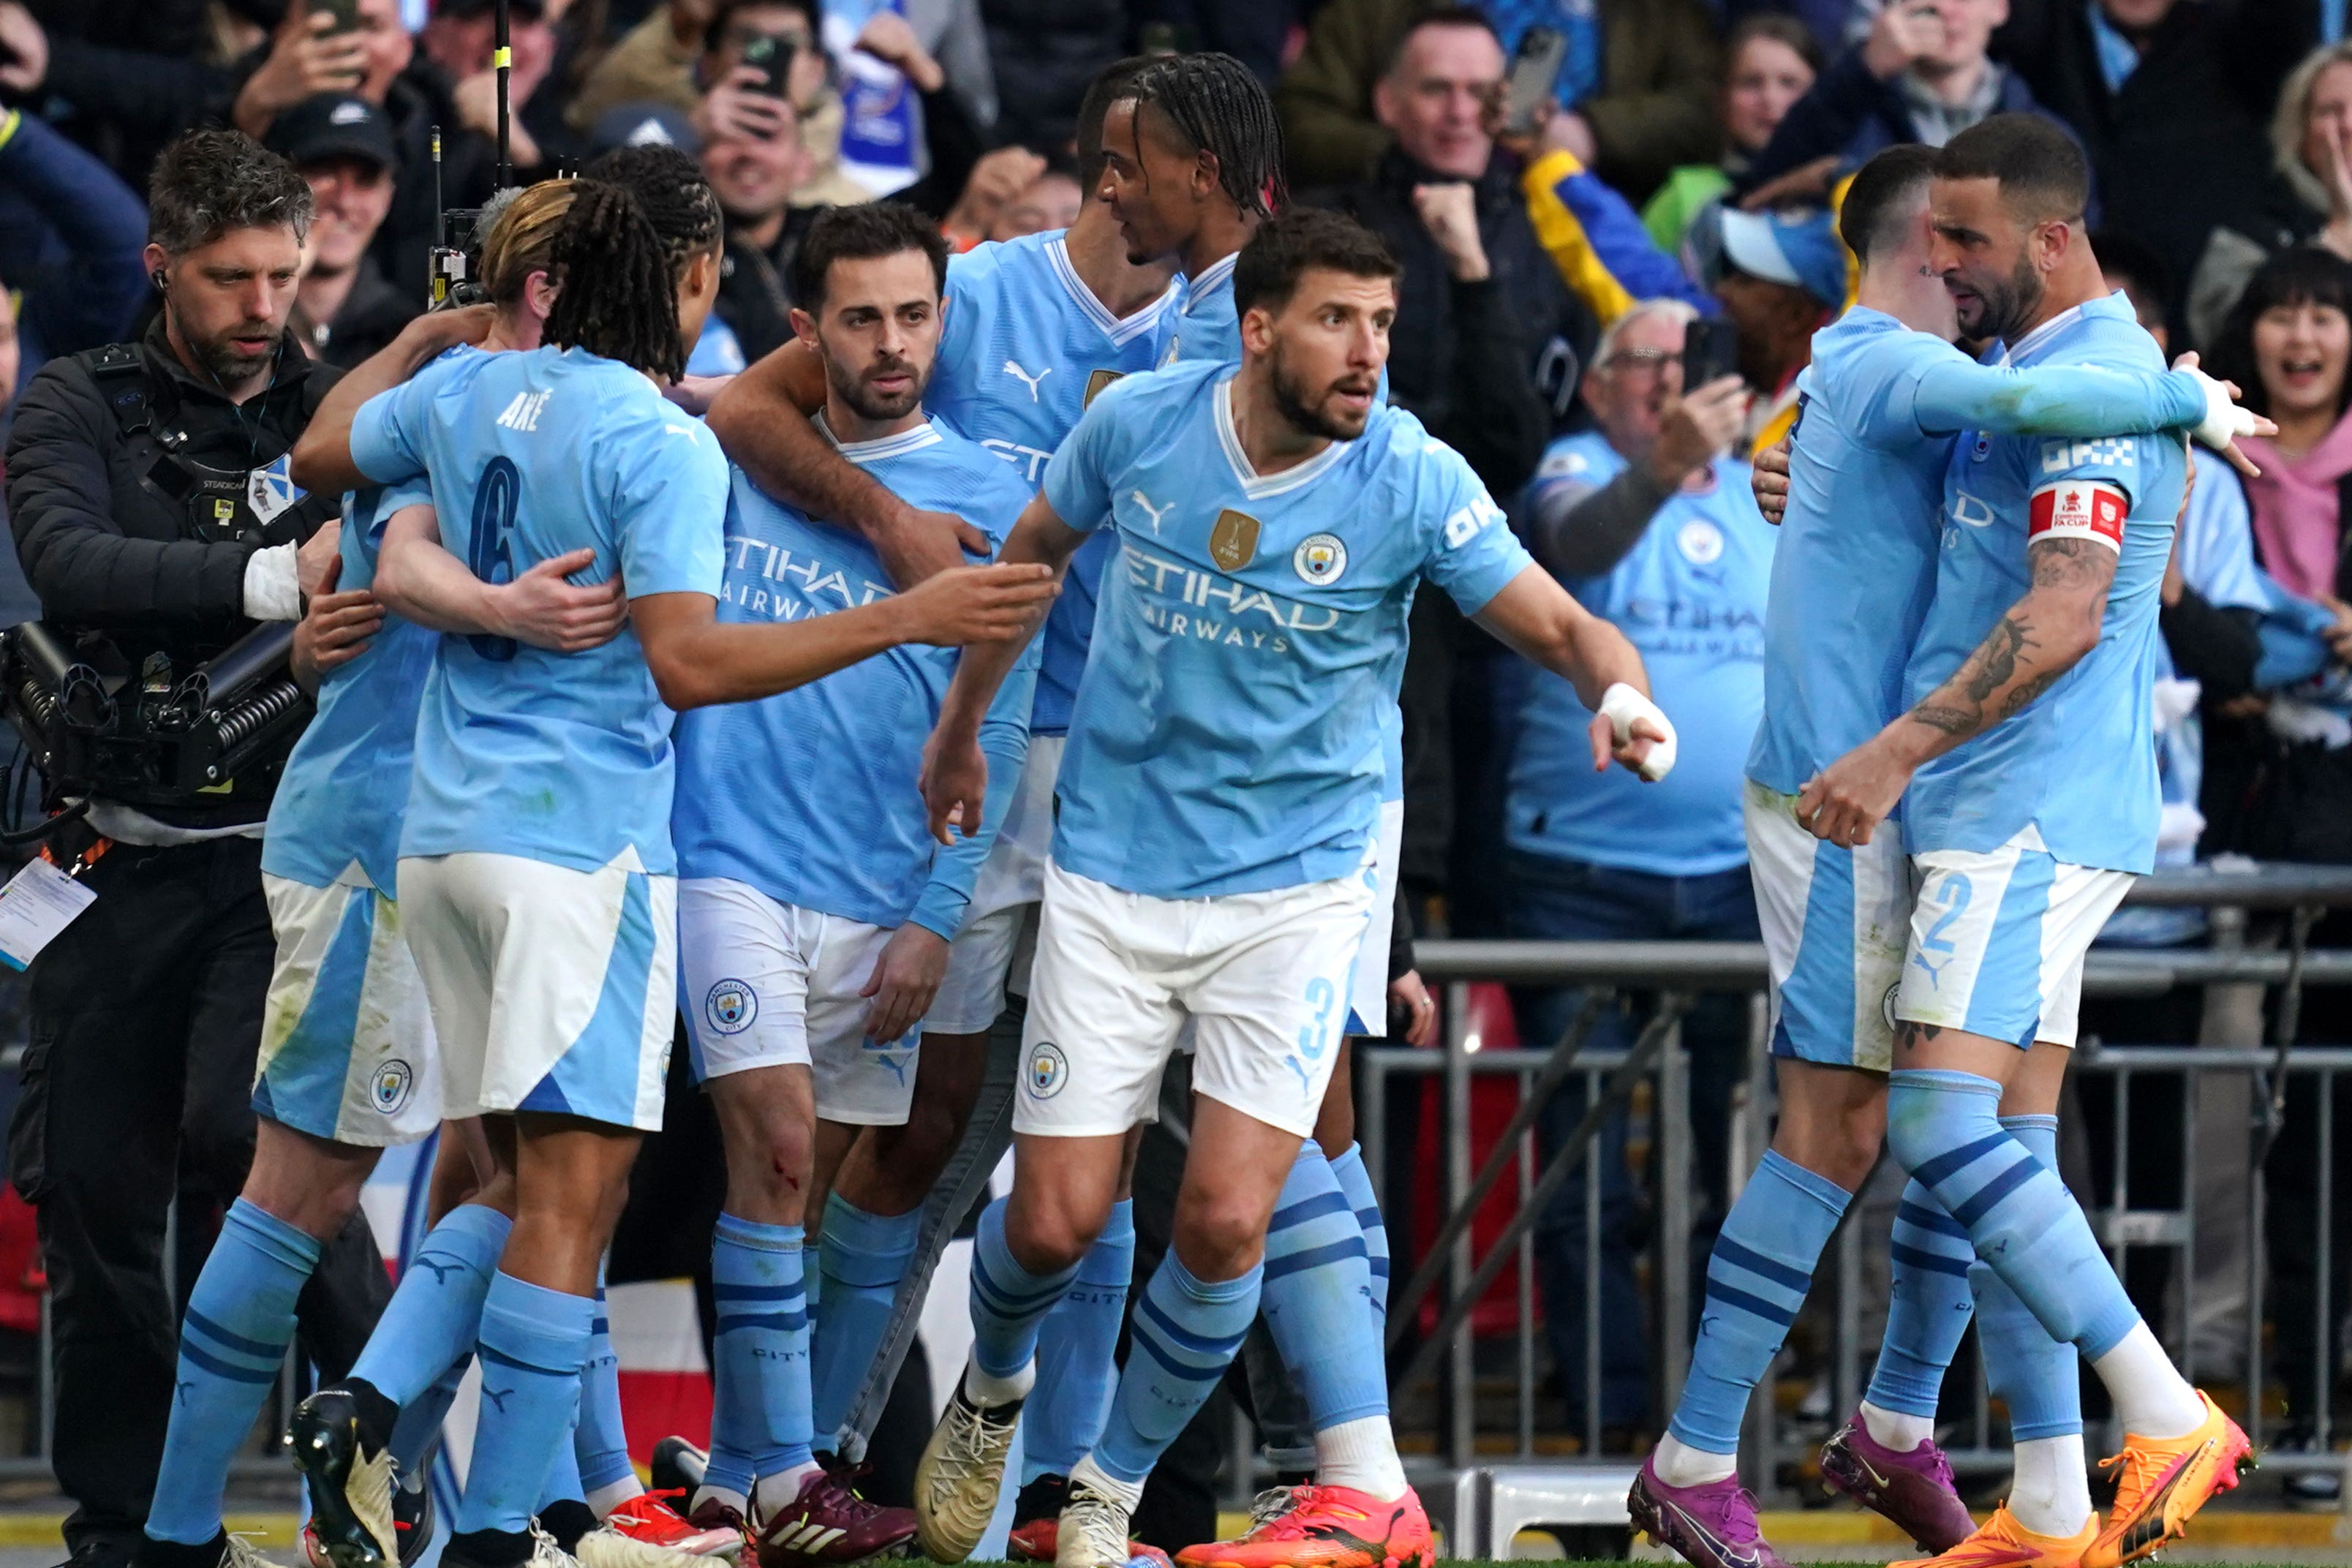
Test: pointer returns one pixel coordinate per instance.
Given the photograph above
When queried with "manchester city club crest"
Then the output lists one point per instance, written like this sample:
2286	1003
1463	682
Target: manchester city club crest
1049	1069
731	1006
1319	559
391	1087
1700	542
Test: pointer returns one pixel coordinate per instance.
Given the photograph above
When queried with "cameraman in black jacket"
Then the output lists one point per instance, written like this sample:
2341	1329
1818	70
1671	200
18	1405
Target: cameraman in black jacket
148	493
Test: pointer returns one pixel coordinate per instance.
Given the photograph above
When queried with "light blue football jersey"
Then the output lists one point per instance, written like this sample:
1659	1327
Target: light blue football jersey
1022	346
563	758
1856	565
1227	732
2078	765
1690	596
810	795
345	787
1208	327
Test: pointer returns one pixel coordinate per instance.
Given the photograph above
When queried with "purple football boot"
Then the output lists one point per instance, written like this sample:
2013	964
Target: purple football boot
1712	1526
1914	1489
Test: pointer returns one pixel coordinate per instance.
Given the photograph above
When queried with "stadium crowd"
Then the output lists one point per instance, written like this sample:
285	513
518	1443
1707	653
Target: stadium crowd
1571	187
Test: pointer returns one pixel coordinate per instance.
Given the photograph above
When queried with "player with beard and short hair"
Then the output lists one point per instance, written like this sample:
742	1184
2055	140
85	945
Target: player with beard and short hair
2029	754
814	911
1217	807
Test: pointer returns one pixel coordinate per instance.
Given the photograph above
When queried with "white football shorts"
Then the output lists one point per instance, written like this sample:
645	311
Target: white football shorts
1262	977
774	984
1998	940
347	1049
552	989
1835	921
1368	1000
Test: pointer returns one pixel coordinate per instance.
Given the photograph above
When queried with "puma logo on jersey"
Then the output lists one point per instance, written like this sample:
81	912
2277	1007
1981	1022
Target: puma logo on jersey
523	413
1025	379
1156	513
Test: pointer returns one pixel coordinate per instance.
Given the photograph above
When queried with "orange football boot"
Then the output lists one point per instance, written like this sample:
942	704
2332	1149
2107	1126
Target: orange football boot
1329	1527
2002	1542
2164	1481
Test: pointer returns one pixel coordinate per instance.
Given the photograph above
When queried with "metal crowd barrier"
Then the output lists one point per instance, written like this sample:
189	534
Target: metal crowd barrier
1480	1408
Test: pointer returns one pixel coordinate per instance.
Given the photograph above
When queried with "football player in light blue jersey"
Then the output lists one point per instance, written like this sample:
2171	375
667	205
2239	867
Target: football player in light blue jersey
1851	581
815	912
536	854
2034	805
1216	810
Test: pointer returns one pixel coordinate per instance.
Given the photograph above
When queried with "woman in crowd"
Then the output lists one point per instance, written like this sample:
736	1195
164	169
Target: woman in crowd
2310	201
1774	59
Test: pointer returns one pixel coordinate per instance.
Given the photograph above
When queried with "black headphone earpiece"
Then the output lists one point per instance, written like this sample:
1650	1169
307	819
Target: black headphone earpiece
156	277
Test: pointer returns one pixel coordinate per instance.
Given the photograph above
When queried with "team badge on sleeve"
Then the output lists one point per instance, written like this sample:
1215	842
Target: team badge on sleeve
2078	509
1319	559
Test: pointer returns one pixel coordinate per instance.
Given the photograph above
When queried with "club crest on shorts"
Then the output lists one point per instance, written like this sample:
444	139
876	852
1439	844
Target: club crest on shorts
731	1006
1886	1007
1049	1069
1095	382
391	1087
1233	541
1319	558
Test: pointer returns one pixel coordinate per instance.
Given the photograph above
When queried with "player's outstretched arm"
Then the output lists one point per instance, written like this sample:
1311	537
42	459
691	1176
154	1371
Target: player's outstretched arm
1955	392
764	422
2037	640
322	460
417	577
955	771
1538	618
698	661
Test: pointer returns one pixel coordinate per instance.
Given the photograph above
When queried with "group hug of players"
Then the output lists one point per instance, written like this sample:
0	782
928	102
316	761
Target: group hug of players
628	715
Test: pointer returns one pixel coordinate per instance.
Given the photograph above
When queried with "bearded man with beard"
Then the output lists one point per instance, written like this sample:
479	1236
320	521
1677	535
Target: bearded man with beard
147	489
814	912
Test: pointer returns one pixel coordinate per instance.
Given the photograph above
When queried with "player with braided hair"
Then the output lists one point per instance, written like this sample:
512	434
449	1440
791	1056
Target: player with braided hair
1191	165
536	856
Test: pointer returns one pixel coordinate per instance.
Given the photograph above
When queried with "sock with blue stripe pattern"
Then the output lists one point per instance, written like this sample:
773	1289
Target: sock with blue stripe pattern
240	1318
863	1257
1756	1280
607	1479
1008	1303
533	1343
435	1314
1315	1298
2028	1230
1078	1347
760	1418
1357	1182
1928	1310
1185	1332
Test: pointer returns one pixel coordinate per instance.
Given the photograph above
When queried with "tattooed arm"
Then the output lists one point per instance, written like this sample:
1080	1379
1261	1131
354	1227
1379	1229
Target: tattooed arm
2038	639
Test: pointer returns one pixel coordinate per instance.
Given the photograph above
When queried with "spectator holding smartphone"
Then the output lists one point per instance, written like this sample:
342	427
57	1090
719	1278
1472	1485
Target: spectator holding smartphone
1921	75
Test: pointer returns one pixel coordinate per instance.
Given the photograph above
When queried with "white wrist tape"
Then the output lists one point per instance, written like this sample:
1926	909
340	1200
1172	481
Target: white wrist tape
2225	421
1621	705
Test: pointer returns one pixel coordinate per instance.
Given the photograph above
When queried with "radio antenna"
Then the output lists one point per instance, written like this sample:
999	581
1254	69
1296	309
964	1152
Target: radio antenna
502	61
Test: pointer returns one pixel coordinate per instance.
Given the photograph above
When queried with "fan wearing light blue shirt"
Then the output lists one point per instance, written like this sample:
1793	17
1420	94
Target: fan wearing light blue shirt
1652	527
536	856
1850	581
2029	749
1216	810
815	910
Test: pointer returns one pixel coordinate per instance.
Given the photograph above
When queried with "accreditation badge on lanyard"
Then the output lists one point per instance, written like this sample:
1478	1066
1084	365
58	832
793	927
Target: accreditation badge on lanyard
877	130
